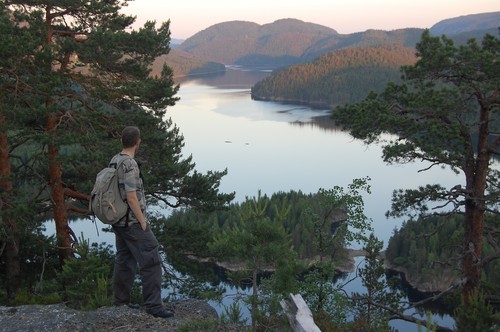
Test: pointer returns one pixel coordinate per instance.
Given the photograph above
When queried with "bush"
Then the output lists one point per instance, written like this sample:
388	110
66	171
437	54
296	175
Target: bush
46	292
477	315
86	280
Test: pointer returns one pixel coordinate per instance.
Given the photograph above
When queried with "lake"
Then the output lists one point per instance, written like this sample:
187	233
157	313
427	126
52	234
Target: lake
275	147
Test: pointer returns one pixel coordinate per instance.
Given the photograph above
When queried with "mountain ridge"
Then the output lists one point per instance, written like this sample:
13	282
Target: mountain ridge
290	41
466	23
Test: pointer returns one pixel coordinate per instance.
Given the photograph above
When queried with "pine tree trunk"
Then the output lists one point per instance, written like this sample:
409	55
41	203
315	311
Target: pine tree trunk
473	247
55	170
476	175
13	266
63	231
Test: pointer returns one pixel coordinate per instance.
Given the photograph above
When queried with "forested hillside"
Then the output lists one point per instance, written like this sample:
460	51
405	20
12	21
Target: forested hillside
339	77
370	38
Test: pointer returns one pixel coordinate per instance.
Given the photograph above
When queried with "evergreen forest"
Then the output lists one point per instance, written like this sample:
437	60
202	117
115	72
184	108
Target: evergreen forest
428	252
336	78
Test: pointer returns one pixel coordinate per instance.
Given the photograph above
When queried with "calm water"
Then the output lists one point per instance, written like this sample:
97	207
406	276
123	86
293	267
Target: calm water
275	147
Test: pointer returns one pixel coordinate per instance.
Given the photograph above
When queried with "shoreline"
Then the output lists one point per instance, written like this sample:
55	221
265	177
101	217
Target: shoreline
346	267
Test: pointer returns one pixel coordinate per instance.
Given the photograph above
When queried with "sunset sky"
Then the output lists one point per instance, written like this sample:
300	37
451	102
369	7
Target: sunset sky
345	16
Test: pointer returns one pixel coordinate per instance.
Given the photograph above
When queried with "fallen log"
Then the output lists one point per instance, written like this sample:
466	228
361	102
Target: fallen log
299	315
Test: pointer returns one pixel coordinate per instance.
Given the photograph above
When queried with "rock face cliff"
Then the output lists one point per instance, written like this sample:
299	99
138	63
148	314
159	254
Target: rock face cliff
59	318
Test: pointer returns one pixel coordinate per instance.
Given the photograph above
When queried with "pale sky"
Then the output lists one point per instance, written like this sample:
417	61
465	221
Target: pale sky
188	17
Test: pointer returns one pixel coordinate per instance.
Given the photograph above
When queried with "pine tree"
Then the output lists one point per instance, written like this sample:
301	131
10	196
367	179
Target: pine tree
72	75
258	242
445	112
371	307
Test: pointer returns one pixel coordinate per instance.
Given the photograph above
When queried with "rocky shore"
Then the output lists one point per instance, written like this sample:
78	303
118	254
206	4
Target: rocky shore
348	265
424	286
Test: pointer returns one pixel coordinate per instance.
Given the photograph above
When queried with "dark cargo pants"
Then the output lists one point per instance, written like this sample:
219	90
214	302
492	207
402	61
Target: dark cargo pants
137	247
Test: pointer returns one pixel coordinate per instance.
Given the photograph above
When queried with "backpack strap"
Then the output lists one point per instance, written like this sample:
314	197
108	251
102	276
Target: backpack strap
117	165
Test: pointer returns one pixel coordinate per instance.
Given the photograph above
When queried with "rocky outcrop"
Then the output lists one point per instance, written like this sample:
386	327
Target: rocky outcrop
60	318
424	285
345	264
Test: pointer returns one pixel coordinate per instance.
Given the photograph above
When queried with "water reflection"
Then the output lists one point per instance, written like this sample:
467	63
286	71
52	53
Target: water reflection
322	122
235	77
275	147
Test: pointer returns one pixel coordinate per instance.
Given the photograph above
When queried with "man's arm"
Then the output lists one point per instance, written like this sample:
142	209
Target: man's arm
133	202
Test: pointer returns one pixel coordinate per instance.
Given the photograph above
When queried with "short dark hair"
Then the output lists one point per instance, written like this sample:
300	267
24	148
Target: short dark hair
130	136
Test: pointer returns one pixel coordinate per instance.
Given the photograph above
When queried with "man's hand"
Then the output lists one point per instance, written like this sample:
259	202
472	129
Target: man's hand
133	202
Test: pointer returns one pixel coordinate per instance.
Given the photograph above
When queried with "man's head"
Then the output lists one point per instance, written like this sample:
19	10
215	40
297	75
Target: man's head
130	136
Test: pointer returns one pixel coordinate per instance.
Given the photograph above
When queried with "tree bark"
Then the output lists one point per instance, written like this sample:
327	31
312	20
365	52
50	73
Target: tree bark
473	226
476	175
63	231
12	239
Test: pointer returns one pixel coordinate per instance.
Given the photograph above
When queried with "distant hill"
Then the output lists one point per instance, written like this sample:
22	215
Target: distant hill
463	28
184	63
338	77
467	24
369	38
175	42
237	42
290	41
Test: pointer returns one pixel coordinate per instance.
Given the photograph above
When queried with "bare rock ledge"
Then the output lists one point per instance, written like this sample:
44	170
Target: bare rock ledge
60	318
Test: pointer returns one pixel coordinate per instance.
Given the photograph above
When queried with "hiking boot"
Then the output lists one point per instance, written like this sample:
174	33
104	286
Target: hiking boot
162	313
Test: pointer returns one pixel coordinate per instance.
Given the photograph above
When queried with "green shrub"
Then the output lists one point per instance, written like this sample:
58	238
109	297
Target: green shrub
49	294
477	315
86	280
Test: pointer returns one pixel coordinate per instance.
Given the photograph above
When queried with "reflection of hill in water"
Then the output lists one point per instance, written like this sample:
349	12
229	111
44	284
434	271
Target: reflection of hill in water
212	275
439	306
232	78
323	122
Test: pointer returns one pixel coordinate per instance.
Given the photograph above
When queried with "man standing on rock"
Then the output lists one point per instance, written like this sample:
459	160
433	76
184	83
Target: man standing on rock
135	242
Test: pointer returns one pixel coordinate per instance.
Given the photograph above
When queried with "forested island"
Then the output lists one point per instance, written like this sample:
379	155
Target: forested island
304	219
